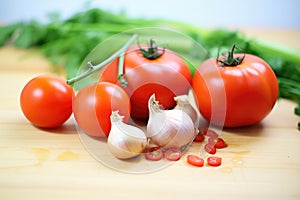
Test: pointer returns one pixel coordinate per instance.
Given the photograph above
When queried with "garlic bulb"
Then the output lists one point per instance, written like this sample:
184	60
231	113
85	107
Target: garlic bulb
169	128
184	104
125	141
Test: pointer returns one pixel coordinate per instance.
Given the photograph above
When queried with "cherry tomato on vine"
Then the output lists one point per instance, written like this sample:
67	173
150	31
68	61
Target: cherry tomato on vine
46	101
195	160
235	90
148	71
94	104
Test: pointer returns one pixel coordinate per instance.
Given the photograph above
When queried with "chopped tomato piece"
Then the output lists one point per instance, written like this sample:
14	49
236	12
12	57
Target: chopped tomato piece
214	161
210	133
210	148
173	154
199	138
220	144
195	160
154	154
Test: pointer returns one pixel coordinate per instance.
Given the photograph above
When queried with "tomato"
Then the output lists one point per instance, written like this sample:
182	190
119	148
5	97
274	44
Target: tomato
199	138
214	161
210	148
239	94
154	154
46	101
94	104
210	133
195	160
173	154
219	143
167	76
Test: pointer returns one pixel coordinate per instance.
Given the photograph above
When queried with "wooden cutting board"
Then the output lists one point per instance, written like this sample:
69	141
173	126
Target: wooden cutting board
261	161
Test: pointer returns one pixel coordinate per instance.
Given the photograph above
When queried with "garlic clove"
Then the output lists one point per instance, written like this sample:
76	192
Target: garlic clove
169	128
184	104
125	141
157	122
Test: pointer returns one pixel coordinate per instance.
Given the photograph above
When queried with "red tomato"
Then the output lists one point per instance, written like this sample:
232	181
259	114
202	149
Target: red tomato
214	161
167	76
199	138
219	143
173	154
210	133
210	148
46	101
235	95
195	160
154	154
94	104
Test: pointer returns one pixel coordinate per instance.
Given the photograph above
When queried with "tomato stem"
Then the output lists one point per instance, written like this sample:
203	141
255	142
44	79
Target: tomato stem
228	58
120	71
153	51
92	68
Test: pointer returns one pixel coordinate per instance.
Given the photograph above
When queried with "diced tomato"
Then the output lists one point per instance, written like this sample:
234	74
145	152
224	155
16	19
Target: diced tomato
195	160
219	143
173	154
210	148
154	154
210	133
214	161
199	138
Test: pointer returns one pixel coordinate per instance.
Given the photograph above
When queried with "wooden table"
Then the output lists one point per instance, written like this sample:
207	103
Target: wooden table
261	162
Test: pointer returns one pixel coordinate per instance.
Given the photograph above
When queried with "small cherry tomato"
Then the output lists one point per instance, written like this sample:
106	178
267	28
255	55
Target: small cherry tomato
154	154
46	101
214	161
199	138
219	143
195	160
94	104
210	148
173	154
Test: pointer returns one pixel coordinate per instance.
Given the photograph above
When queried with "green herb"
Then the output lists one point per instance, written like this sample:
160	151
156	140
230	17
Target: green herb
67	42
297	112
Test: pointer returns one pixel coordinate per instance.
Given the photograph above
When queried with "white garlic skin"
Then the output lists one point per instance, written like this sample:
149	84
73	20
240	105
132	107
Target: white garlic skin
169	128
184	104
125	141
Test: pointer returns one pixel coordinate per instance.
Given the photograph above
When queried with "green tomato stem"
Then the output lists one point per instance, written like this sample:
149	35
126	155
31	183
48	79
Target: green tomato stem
229	59
152	52
93	68
120	71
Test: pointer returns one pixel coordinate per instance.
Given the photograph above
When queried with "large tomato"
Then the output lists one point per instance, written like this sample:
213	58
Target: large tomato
93	105
46	101
165	74
237	94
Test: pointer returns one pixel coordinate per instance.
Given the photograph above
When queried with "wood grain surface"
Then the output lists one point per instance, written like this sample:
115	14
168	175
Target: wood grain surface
261	161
